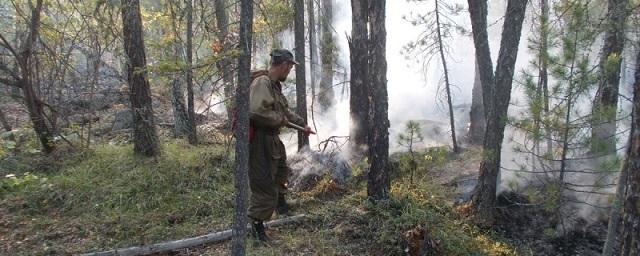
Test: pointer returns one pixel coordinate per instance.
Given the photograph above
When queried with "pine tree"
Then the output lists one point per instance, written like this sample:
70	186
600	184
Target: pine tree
630	233
433	43
327	56
191	111
605	106
378	177
238	242
556	109
145	138
180	115
301	81
496	95
359	97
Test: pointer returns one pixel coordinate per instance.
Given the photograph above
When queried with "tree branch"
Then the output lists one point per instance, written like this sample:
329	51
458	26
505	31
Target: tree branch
9	82
188	242
6	45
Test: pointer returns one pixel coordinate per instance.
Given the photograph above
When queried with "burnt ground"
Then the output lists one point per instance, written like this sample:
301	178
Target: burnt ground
534	231
528	225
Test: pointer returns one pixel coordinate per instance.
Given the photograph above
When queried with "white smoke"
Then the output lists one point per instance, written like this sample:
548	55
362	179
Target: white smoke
412	86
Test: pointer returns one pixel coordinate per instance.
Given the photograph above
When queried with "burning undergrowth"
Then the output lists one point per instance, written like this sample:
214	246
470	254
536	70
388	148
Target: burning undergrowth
310	167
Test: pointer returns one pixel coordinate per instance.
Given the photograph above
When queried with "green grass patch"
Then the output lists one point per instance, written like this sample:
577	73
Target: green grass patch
114	199
107	198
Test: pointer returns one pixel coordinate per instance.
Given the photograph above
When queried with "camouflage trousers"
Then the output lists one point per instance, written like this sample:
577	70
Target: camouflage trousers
268	172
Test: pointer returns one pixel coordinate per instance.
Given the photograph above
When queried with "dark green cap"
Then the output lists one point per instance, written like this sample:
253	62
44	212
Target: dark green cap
282	55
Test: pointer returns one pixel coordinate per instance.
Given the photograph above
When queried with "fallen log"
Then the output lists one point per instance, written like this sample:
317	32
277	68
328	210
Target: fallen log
187	242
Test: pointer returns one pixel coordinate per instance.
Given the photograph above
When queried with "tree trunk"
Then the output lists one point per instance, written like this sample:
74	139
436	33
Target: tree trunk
630	239
538	99
180	116
477	121
192	136
614	217
34	104
327	45
145	138
483	198
359	97
446	79
605	106
181	120
313	47
567	120
3	121
17	41
225	64
95	62
301	83
496	96
541	97
543	72
378	178
238	243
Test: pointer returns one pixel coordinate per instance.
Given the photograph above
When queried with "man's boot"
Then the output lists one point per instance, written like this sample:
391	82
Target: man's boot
283	207
258	231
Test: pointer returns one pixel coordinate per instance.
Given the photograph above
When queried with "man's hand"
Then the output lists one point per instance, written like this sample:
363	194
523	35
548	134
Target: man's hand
307	130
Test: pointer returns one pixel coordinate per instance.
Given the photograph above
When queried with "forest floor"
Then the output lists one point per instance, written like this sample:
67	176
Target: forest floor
103	198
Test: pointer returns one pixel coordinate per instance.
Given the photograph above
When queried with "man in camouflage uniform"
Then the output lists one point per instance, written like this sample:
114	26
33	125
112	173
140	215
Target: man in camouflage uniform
268	170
